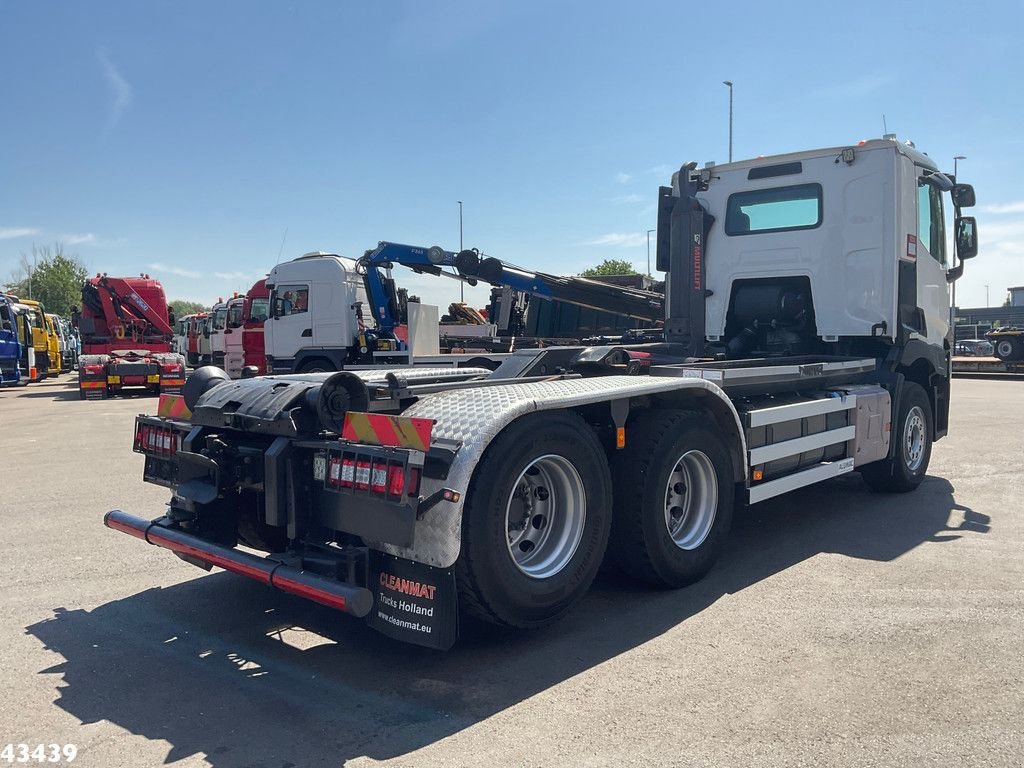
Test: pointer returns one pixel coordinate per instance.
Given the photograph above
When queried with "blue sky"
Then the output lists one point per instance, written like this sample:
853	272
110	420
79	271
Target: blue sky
185	138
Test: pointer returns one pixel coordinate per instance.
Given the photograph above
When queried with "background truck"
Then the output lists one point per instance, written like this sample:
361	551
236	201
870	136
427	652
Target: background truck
806	336
126	339
179	343
217	323
10	343
328	312
243	337
43	342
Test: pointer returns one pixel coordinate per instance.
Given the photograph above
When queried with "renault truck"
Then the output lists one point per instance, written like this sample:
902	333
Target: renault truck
806	337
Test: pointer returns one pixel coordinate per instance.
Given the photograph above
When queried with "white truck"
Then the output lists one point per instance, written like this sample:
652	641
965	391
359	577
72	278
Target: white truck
216	324
806	337
316	322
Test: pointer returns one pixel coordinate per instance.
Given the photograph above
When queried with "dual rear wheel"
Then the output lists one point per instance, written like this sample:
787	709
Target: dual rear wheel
541	508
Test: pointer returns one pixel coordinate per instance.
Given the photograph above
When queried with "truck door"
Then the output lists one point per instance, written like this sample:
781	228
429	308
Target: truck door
332	313
254	349
233	354
932	289
289	328
218	324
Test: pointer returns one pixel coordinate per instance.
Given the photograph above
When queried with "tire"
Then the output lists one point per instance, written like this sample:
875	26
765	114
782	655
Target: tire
524	566
1008	349
674	461
317	365
914	431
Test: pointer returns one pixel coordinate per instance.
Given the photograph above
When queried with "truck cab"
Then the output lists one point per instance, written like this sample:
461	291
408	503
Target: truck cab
10	344
257	309
216	325
180	343
234	352
40	339
203	331
313	323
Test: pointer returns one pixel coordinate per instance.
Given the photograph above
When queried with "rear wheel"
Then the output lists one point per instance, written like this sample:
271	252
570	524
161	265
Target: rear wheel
912	428
1008	349
535	522
674	497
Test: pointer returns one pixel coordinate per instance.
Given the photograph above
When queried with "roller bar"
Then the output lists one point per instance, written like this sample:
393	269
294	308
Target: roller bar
335	594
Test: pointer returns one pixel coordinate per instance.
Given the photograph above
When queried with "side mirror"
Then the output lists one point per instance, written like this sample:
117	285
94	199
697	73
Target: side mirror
7	325
206	332
966	235
278	309
963	196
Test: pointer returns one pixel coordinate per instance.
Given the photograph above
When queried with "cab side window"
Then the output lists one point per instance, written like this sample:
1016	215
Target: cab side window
294	299
931	233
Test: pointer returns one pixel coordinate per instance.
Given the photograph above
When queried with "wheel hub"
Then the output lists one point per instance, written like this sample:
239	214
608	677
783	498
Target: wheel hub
914	437
545	516
691	500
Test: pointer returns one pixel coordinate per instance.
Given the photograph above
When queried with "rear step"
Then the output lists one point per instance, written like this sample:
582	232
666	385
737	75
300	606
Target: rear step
345	597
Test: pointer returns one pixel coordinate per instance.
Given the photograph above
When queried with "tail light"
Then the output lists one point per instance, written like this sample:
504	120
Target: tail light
170	368
93	370
157	441
375	475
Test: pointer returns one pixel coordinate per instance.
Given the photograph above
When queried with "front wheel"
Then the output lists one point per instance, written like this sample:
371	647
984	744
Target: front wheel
674	497
912	429
535	523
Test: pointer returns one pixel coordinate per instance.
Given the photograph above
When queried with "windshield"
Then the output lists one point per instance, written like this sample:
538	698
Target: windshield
219	319
235	316
258	310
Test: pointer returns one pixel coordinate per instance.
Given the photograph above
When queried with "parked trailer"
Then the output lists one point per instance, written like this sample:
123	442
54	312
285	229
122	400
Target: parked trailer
1008	343
805	339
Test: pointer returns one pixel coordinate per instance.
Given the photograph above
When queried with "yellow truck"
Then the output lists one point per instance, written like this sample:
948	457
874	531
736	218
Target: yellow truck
44	340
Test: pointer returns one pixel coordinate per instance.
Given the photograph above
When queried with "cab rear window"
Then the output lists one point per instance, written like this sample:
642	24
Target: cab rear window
779	209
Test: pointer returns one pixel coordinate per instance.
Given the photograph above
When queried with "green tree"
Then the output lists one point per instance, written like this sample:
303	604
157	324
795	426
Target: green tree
182	307
610	267
51	276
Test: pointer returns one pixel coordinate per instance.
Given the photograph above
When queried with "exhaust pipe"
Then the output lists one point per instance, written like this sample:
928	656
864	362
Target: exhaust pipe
344	597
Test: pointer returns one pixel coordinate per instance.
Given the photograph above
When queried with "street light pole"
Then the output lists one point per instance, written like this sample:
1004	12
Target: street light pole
729	83
649	250
955	158
986	295
462	283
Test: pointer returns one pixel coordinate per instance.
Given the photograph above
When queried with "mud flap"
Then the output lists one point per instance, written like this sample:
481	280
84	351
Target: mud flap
414	603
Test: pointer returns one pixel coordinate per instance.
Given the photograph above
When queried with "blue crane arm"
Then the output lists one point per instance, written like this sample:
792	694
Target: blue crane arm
630	302
380	287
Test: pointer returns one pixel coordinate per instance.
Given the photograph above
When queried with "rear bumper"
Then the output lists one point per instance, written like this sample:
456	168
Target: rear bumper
348	598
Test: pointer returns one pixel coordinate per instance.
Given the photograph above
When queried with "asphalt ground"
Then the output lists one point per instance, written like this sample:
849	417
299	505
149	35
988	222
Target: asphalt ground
839	628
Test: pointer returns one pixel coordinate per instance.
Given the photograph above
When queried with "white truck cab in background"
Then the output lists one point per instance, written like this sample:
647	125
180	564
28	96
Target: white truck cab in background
314	321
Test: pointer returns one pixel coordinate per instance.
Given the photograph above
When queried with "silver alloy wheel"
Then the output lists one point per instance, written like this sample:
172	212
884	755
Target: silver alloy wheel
915	433
1004	348
691	500
545	516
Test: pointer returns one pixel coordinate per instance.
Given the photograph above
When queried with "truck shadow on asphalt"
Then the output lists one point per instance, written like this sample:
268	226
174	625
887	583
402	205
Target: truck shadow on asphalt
223	667
53	393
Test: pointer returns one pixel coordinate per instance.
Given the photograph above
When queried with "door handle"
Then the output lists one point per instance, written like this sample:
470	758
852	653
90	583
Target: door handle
308	333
